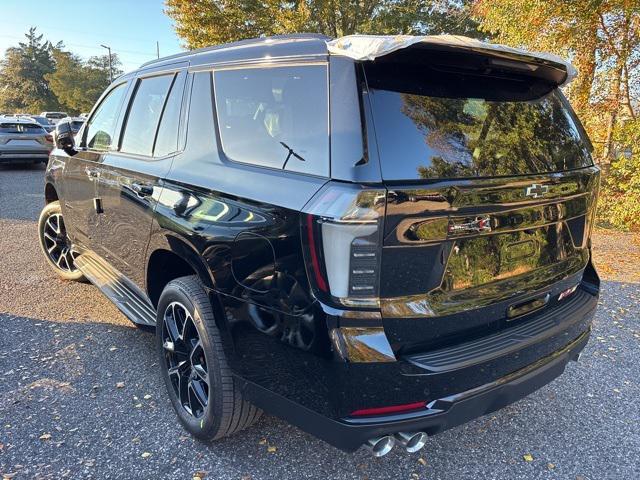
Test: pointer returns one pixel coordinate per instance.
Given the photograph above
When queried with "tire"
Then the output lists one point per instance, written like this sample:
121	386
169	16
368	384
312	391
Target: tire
225	411
55	243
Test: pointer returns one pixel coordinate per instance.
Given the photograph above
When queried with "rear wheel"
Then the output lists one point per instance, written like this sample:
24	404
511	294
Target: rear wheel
193	365
55	243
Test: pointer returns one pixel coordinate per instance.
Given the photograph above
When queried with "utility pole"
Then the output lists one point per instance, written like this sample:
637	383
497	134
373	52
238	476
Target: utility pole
158	48
110	69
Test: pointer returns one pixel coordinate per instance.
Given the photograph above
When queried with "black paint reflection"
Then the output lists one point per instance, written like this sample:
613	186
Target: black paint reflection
430	137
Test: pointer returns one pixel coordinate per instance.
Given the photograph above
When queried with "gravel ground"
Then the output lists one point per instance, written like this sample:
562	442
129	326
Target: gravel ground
80	395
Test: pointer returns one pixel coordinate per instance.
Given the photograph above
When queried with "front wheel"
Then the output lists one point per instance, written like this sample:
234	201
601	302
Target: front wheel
55	243
193	365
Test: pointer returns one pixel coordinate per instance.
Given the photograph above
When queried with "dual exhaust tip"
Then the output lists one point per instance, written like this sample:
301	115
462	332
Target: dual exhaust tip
411	441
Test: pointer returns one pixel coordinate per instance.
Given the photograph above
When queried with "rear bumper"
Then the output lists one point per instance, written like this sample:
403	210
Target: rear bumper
350	433
460	408
24	155
456	385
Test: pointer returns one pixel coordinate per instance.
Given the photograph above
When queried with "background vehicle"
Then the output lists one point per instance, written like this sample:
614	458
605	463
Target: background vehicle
23	140
43	122
54	117
75	122
374	251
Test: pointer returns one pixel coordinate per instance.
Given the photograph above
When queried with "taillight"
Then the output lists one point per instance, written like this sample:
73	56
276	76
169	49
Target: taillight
48	138
342	230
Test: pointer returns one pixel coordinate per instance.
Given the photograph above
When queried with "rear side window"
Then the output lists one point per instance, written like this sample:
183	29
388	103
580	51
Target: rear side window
102	125
428	130
144	114
167	138
275	117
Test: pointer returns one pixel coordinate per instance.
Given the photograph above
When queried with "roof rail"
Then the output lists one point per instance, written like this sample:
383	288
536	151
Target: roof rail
249	41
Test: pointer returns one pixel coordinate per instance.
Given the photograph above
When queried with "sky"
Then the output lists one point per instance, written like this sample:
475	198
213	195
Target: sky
130	27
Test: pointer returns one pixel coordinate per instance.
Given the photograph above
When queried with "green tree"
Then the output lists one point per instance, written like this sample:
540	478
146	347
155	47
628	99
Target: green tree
77	84
100	64
202	23
23	86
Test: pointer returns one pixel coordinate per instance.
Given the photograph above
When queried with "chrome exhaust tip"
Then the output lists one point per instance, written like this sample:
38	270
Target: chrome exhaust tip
380	446
411	441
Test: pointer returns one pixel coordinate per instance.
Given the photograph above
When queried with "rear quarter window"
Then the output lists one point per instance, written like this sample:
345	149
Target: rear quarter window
275	117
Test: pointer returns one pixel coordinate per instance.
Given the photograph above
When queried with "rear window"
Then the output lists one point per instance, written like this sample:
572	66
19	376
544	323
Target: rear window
20	128
425	130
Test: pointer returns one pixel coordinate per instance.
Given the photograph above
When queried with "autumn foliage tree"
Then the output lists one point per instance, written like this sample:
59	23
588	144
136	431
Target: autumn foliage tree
602	39
202	23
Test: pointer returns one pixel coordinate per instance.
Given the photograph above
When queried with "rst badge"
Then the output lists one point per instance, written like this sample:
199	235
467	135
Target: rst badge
536	190
477	225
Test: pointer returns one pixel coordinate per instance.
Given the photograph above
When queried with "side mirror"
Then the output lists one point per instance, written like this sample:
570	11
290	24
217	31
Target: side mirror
63	138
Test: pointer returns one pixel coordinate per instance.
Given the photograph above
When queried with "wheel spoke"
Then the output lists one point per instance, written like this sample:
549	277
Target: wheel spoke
198	392
186	319
63	255
49	237
55	228
170	323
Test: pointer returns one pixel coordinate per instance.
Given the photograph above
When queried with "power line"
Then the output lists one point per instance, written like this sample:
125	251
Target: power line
94	47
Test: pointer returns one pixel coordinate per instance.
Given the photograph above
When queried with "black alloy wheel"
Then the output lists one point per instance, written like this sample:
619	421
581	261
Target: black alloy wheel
55	243
185	359
203	391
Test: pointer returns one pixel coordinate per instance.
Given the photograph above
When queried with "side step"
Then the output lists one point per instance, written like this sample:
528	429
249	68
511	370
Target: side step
116	288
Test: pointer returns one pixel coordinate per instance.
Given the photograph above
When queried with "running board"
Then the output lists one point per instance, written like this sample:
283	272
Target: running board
116	288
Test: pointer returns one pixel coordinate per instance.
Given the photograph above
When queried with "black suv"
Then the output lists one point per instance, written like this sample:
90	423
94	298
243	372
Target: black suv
374	250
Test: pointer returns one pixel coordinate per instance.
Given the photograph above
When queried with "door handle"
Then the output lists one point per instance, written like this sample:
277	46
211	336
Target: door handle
142	189
92	172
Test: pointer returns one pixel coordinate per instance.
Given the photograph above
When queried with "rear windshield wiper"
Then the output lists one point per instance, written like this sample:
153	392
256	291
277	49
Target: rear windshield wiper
291	153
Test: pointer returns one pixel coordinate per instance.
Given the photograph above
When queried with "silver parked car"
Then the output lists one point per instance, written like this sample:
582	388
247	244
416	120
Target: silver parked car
54	117
23	140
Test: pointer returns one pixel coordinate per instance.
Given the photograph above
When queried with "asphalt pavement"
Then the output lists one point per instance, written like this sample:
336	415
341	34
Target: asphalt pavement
81	397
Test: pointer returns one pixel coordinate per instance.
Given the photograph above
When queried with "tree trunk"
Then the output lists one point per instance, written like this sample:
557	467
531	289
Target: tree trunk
585	61
613	112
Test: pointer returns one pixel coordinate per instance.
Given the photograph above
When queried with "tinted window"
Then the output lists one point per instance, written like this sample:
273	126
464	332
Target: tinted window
21	128
275	117
422	134
144	114
167	139
101	127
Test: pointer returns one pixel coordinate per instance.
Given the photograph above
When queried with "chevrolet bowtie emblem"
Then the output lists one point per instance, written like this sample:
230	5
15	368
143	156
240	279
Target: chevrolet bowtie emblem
536	190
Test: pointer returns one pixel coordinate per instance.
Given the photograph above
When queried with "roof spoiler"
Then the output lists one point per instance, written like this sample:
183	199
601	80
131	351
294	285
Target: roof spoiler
546	66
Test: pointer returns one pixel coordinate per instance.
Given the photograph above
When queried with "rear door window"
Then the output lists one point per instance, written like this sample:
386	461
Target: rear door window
167	138
275	117
428	130
144	114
